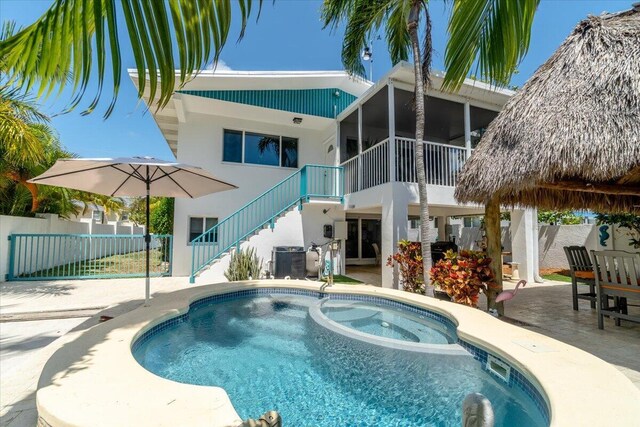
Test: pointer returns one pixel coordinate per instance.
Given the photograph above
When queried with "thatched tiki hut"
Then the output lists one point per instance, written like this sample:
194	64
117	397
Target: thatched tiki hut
570	138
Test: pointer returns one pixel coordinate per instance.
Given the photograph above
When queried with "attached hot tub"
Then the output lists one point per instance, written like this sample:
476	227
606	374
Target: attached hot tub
387	325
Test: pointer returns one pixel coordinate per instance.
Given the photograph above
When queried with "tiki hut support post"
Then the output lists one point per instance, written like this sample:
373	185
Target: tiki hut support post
494	250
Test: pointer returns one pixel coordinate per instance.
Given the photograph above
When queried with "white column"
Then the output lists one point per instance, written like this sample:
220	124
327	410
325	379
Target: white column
442	230
392	131
524	243
337	147
360	172
467	128
395	211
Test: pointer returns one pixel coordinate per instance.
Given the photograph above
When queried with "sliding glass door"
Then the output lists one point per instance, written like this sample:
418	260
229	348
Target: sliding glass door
363	240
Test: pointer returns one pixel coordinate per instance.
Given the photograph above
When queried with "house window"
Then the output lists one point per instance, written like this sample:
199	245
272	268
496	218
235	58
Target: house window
198	225
259	149
232	146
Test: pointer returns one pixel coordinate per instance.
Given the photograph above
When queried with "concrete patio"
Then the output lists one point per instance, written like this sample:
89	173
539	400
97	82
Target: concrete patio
34	314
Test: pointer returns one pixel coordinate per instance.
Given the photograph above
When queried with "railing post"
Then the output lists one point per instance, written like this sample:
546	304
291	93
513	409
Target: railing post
303	183
12	255
392	131
192	278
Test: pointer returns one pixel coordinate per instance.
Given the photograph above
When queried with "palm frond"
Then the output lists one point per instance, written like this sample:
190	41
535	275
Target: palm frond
492	34
363	18
72	33
22	129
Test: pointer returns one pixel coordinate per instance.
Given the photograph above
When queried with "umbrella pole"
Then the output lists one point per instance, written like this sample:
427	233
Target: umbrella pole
147	240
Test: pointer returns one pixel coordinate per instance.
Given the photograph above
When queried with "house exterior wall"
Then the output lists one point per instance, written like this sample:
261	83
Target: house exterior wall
296	228
200	144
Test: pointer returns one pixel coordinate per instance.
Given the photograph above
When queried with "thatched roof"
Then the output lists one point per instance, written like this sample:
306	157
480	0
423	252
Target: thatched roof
570	138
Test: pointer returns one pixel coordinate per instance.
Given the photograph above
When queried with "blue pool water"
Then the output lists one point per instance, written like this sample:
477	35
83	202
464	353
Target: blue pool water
268	354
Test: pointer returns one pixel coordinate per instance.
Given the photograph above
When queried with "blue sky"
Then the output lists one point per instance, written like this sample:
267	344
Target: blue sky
288	36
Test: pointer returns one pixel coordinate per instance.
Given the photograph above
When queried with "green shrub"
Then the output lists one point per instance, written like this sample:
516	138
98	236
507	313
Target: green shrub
244	265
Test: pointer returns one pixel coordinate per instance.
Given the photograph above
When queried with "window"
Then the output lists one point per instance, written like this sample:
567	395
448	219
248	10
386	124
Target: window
198	225
259	149
232	146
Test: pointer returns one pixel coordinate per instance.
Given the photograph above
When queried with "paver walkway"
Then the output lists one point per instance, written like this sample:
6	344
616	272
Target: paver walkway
547	308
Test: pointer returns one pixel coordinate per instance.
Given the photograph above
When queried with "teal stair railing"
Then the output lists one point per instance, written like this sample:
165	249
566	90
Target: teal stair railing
312	182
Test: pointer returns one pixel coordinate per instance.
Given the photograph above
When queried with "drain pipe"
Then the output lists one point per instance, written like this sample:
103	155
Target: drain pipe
477	411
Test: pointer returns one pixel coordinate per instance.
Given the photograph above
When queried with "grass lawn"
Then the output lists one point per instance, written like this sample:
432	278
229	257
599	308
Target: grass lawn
559	277
339	278
132	264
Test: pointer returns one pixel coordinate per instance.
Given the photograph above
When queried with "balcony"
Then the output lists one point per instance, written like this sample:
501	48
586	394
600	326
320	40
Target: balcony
394	160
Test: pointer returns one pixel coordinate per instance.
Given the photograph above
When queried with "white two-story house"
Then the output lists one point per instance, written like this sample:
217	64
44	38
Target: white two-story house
315	148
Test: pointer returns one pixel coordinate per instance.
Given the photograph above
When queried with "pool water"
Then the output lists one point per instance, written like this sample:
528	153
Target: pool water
268	354
387	322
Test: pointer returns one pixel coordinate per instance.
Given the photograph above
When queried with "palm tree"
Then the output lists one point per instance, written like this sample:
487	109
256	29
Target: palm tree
493	35
62	40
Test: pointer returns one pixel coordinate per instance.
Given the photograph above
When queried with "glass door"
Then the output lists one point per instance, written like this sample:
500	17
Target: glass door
363	240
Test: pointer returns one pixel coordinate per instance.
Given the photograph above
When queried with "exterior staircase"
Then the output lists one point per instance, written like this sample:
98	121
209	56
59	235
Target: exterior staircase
311	182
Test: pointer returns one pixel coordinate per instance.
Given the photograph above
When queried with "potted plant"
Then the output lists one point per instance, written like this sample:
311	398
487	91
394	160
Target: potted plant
463	276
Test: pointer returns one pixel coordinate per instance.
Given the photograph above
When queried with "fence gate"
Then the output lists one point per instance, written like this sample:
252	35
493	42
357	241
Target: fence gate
86	256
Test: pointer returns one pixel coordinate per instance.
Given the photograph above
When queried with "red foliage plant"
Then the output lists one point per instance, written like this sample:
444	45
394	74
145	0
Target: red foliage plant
409	262
463	276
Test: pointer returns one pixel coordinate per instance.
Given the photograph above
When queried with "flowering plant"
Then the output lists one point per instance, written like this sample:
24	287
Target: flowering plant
409	262
463	276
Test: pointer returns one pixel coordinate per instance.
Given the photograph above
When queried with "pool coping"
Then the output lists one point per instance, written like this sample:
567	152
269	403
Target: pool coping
579	388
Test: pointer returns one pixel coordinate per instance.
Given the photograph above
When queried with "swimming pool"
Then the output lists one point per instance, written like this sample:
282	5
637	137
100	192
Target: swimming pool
267	352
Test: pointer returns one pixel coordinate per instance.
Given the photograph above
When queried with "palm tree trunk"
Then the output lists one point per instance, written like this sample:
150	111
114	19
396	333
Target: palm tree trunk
33	188
412	27
494	250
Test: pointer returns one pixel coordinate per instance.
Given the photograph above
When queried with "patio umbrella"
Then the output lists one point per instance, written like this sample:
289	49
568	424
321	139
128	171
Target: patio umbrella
570	137
136	176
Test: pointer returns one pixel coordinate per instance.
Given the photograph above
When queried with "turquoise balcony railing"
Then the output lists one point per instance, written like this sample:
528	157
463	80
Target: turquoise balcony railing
315	182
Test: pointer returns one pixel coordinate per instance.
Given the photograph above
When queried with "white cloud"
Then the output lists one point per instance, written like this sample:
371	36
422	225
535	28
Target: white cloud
221	66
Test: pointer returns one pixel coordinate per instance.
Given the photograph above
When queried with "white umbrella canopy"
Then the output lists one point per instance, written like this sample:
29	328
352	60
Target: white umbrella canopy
135	176
129	177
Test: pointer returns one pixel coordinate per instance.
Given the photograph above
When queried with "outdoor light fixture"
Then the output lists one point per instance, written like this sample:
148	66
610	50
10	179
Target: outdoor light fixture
367	54
297	120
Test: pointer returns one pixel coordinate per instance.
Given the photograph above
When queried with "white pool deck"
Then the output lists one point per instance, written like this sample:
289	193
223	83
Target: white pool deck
25	345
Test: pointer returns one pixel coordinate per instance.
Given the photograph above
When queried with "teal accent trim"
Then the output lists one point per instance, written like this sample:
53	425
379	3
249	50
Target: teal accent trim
86	256
317	181
314	102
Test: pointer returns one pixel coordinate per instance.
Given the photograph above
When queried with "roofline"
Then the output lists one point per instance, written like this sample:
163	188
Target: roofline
439	75
133	73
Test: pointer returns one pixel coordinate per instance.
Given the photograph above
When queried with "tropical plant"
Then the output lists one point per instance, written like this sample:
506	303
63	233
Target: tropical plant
493	35
27	150
627	220
161	217
463	276
409	262
559	217
75	35
244	265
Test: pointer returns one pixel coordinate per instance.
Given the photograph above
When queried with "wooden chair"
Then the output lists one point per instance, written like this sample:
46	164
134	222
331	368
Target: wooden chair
617	274
581	273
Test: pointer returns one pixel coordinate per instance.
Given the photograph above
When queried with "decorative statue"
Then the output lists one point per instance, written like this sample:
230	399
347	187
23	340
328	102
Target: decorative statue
268	419
477	411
